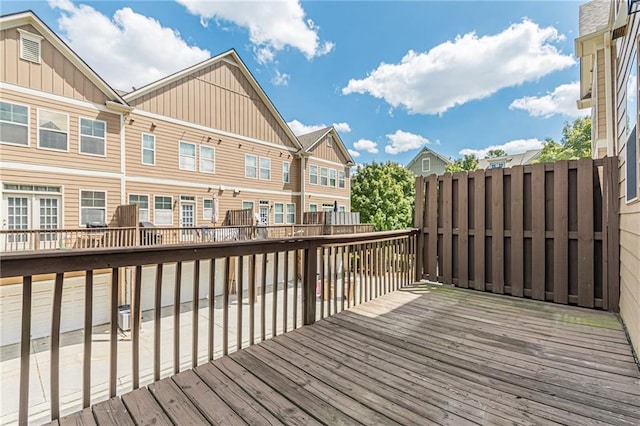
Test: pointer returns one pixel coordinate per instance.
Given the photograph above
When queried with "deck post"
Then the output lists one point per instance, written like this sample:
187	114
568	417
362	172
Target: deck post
309	284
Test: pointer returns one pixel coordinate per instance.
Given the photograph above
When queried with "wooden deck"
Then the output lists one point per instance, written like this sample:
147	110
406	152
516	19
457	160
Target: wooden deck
420	355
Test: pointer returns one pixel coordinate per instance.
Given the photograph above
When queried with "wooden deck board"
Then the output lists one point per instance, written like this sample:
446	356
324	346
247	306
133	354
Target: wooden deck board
421	355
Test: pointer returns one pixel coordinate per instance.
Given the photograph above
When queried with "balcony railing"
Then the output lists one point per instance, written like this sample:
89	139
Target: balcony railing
241	292
81	238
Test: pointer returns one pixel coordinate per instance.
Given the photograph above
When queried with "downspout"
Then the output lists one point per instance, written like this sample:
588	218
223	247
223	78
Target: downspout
303	166
608	91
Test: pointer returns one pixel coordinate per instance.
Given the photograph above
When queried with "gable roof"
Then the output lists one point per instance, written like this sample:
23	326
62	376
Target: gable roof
309	140
28	17
422	151
231	57
521	159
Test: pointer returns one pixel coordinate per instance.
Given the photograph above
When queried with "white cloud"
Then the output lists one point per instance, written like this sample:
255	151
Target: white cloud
354	153
466	69
562	100
512	147
127	49
280	78
299	128
273	25
366	145
404	141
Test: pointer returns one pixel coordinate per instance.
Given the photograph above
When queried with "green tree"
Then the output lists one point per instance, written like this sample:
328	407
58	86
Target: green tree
469	163
384	195
493	153
575	143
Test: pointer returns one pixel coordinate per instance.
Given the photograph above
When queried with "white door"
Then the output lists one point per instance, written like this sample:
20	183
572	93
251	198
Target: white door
187	219
16	217
264	215
49	218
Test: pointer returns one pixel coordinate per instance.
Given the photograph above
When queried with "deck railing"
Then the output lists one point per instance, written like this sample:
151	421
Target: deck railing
270	286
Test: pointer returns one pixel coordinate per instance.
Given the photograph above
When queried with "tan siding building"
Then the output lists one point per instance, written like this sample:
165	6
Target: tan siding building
610	34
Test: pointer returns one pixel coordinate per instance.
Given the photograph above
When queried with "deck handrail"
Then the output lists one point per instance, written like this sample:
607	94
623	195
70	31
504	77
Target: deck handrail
324	274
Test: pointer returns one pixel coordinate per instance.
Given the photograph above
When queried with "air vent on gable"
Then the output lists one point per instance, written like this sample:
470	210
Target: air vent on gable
30	47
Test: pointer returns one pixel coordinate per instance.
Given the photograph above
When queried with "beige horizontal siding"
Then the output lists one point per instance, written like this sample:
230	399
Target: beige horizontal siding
55	74
601	105
73	159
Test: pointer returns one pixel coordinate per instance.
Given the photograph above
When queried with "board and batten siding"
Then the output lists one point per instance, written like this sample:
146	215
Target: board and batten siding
601	104
330	153
33	155
55	74
218	96
629	213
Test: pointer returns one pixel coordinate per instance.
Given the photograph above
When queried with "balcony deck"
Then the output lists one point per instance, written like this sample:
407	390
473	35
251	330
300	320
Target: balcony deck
423	354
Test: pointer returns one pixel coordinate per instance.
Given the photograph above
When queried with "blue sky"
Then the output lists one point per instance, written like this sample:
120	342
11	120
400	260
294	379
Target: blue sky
455	76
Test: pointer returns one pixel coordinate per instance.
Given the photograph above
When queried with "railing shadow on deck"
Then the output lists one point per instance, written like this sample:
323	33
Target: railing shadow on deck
323	275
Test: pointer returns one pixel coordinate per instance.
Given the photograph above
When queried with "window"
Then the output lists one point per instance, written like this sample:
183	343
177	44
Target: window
148	149
163	210
14	124
342	209
329	141
250	166
143	206
52	130
187	156
279	213
93	207
332	178
265	168
92	136
285	172
246	205
499	165
207	159
207	209
313	208
426	165
323	176
30	46
631	151
291	213
341	179
313	175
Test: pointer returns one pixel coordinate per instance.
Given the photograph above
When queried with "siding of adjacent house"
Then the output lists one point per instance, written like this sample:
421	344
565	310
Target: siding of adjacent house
437	166
55	74
219	97
629	213
601	104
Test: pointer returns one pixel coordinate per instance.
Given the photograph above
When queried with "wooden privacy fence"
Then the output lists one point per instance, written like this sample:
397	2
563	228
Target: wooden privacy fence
545	231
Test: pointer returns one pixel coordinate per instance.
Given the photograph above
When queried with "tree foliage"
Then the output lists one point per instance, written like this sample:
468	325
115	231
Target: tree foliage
494	153
469	163
575	143
384	195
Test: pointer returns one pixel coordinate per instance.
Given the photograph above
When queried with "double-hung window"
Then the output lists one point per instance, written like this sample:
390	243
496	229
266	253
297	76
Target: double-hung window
323	176
246	205
265	168
148	149
426	165
332	177
207	159
14	124
313	207
313	174
93	134
250	166
285	172
278	217
93	207
207	209
163	210
291	213
187	156
341	179
143	206
53	130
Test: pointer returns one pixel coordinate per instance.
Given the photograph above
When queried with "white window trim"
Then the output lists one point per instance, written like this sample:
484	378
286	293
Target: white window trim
38	130
195	156
154	209
28	124
34	38
635	199
106	204
326	176
80	118
194	203
313	204
148	203
428	168
204	218
142	149
286	213
335	178
257	166
253	204
260	168
288	167
275	212
317	174
214	160
344	179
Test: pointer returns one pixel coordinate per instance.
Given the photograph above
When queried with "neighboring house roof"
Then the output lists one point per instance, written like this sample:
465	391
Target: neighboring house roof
29	18
232	57
309	140
511	160
594	16
424	150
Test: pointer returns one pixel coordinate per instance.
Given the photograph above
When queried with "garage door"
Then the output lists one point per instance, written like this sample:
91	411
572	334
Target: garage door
42	298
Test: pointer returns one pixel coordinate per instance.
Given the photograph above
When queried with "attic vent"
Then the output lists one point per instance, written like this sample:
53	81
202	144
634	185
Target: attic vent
30	47
329	140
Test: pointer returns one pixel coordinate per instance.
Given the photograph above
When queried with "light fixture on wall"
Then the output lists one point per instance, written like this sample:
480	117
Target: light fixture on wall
236	191
175	204
131	121
153	126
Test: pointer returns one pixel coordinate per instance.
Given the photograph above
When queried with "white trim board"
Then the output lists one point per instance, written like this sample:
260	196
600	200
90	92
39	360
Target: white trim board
54	169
